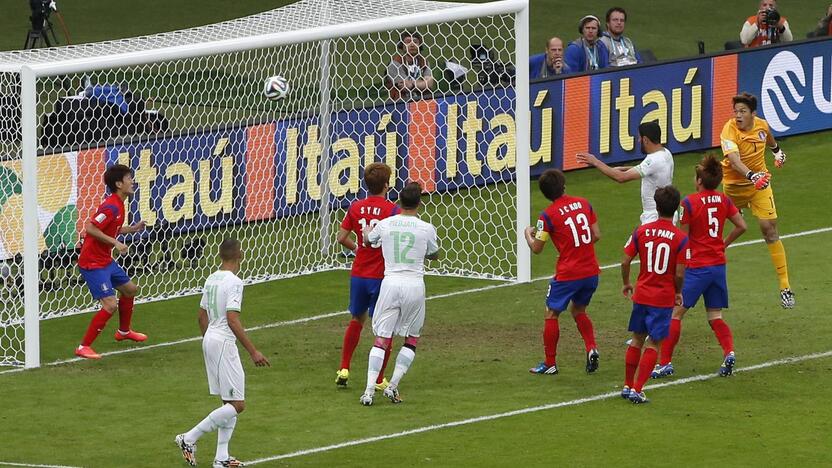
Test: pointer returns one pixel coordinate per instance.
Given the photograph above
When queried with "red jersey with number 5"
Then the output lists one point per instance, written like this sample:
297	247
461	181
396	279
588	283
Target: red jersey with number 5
109	218
660	246
368	261
567	221
705	214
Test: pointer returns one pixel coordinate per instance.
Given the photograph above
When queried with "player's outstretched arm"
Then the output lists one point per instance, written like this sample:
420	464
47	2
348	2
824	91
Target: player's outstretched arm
627	288
237	328
202	319
739	228
611	172
343	238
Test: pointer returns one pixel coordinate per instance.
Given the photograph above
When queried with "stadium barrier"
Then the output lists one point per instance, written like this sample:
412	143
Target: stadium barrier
195	174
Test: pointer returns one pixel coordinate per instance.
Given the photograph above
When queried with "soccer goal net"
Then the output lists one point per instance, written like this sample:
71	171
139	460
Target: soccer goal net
436	90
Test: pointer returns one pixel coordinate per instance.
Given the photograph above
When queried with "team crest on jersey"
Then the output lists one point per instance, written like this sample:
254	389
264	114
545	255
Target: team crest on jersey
100	218
762	135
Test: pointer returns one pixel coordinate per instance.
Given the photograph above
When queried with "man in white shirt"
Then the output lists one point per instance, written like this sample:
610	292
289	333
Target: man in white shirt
219	321
406	241
656	170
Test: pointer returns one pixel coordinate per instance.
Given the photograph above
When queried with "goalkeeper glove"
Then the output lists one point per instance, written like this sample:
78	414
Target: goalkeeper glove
779	158
760	179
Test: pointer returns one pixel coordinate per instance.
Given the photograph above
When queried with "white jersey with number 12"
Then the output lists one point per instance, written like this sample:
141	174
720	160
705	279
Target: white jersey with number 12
405	241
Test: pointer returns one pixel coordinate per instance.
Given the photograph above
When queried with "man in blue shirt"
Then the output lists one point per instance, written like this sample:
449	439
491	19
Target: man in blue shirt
549	63
587	53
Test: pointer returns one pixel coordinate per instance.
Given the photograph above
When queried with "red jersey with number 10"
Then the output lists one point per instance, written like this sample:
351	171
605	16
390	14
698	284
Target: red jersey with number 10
368	261
705	213
108	218
567	221
660	246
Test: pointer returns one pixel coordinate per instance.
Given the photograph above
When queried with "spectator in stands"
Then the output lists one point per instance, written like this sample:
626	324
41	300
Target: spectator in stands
549	63
622	50
409	76
824	25
766	27
587	53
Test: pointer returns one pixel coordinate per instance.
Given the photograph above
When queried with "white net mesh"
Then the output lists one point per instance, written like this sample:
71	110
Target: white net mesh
213	158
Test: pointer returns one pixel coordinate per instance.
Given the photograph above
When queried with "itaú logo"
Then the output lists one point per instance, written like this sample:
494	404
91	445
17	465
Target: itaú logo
782	109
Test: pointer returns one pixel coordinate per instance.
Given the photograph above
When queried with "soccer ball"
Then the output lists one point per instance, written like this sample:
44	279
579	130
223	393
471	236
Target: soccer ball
276	88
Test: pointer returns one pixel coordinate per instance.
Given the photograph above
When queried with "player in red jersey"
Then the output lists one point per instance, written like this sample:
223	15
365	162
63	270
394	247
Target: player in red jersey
662	251
703	216
572	225
102	274
368	266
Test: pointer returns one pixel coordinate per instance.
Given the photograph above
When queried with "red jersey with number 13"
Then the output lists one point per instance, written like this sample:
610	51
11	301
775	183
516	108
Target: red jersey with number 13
108	218
567	221
660	246
368	261
705	213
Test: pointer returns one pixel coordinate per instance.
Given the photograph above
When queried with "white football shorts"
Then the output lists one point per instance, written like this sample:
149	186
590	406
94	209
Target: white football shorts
226	377
400	308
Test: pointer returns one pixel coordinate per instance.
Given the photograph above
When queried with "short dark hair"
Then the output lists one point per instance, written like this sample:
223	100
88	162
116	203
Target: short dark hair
552	183
709	171
651	130
411	196
376	175
667	200
229	249
412	35
613	10
116	173
746	98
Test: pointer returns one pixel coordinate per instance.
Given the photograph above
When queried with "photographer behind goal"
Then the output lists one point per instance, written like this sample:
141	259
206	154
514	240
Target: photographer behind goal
766	27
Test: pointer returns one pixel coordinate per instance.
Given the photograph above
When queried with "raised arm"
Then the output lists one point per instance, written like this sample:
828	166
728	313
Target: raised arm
611	172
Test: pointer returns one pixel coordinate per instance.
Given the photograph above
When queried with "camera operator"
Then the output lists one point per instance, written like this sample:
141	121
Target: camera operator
409	76
824	27
766	27
587	52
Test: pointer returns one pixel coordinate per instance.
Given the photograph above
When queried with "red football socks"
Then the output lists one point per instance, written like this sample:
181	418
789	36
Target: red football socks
585	327
669	343
723	335
645	367
125	313
551	334
631	364
351	338
380	378
99	321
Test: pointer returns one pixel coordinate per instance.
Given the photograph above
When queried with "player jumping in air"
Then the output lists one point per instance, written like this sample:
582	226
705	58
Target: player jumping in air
662	251
219	321
368	266
703	217
746	179
571	224
102	274
406	241
656	170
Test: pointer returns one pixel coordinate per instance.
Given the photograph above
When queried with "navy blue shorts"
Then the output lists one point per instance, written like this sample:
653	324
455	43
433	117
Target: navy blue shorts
578	291
363	295
654	321
708	282
103	281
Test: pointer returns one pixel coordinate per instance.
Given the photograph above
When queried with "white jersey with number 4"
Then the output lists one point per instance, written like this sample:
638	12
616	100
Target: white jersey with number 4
223	292
405	241
656	171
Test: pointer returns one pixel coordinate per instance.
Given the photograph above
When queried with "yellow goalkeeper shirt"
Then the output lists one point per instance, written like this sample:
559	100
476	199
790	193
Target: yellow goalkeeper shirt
751	145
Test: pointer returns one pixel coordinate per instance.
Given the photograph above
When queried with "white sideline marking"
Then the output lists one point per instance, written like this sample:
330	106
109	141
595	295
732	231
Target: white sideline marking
35	466
345	312
534	409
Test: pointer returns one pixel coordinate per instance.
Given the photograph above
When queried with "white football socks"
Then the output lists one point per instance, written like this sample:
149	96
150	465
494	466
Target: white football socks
223	437
403	362
218	417
373	368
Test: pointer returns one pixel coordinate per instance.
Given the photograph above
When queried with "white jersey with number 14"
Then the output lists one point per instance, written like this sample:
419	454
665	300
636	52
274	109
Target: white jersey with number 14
223	293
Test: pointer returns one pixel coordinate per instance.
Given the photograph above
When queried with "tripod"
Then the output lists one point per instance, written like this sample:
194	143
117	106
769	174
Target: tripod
41	26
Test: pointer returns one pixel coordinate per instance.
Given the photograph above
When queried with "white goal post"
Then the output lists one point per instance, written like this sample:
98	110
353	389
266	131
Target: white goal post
213	157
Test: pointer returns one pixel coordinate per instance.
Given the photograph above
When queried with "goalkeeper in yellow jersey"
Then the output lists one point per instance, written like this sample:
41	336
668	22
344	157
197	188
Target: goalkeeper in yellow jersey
746	179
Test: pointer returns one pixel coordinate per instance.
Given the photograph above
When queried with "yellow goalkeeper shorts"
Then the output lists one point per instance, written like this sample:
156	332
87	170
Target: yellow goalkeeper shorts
761	202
